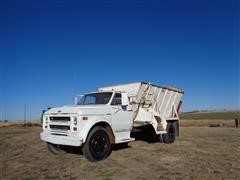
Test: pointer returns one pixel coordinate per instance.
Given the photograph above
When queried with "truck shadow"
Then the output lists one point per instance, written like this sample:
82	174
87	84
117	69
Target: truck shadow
146	137
78	150
139	136
145	133
72	150
116	147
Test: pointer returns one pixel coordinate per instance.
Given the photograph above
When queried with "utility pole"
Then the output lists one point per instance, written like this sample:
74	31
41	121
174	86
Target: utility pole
25	113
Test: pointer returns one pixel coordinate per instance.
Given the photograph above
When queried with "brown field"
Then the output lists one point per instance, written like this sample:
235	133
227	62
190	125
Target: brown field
19	123
199	153
6	124
206	123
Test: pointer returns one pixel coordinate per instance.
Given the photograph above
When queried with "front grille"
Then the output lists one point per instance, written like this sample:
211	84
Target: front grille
59	127
60	118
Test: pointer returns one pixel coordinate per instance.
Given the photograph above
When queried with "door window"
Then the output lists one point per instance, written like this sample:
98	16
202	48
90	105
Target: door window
117	99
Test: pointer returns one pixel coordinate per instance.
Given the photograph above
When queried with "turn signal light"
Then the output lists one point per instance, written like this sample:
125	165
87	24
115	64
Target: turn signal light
85	118
75	129
46	127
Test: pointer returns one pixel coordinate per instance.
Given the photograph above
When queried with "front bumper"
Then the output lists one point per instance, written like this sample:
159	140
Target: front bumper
69	140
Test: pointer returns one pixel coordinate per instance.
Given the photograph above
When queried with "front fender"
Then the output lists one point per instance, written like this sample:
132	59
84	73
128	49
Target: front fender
88	126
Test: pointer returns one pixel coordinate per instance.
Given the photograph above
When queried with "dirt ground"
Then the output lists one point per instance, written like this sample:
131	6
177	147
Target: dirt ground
199	153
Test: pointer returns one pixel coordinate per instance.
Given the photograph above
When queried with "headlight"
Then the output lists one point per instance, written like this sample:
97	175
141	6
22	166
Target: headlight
75	121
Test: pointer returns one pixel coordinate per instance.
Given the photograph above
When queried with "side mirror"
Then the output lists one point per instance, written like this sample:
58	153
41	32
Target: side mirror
125	99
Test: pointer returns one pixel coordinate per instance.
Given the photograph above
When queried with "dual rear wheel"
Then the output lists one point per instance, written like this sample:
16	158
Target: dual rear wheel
169	137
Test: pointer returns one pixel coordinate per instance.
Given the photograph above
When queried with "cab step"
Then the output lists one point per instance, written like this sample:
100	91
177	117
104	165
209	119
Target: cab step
125	140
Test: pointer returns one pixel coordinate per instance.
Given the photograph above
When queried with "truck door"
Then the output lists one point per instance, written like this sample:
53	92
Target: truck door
122	118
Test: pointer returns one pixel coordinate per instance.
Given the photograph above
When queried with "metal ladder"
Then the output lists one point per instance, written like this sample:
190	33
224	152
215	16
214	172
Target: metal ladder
147	96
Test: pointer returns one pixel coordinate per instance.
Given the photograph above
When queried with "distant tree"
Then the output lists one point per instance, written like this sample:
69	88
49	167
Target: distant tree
5	120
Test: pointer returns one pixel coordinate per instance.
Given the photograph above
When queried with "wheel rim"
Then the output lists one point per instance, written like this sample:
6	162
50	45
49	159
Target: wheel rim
99	145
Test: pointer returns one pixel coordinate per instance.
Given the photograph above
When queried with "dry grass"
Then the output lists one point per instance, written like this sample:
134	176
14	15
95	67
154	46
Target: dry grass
199	153
222	115
206	123
20	123
6	124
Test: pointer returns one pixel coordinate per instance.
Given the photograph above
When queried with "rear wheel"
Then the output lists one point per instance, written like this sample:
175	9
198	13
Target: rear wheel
169	137
97	146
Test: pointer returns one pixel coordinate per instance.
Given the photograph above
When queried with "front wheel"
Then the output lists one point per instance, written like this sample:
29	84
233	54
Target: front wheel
169	137
97	146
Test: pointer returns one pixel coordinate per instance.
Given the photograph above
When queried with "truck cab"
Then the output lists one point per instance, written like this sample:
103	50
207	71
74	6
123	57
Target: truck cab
96	121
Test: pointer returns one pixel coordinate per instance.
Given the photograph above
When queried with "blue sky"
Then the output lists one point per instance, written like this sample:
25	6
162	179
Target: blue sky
52	50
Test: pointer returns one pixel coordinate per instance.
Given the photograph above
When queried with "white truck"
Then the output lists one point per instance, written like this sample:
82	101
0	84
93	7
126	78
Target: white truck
109	116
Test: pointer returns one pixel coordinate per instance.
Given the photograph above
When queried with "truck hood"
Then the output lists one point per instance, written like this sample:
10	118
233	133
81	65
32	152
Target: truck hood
79	109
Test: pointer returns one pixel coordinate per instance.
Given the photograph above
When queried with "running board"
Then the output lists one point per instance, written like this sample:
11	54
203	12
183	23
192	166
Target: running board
125	140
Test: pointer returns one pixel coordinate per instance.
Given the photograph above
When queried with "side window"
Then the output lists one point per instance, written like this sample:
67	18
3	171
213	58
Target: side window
117	99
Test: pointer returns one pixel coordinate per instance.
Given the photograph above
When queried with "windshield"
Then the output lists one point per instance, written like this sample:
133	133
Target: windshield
95	98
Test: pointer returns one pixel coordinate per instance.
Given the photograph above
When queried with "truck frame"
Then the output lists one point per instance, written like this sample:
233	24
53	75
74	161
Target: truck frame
110	115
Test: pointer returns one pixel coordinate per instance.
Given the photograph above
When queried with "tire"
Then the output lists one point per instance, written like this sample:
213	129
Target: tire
97	146
169	137
55	149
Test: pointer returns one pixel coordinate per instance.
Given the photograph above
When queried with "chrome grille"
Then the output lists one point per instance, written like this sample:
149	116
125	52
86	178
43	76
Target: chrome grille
59	127
60	118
